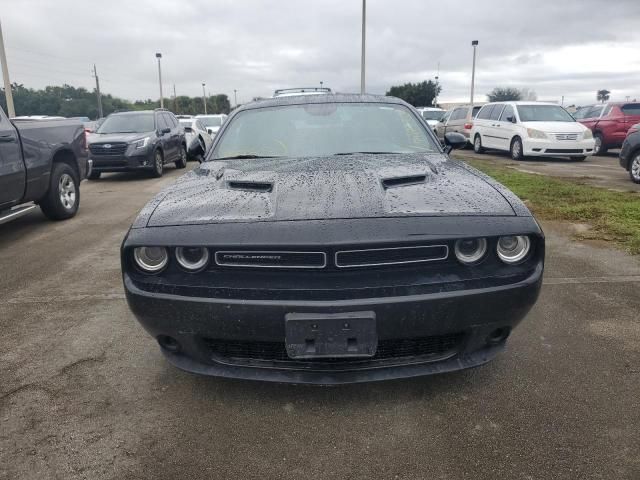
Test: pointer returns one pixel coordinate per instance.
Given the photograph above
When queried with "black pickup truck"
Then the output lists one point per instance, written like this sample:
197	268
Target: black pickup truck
41	163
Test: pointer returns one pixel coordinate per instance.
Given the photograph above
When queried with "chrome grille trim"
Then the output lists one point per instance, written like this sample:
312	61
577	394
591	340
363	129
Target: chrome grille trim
378	264
267	252
566	136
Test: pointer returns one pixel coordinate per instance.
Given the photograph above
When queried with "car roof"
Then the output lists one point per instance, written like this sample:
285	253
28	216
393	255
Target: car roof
429	109
315	99
523	102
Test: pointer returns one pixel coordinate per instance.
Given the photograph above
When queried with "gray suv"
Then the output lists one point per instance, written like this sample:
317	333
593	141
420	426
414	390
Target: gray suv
458	121
142	140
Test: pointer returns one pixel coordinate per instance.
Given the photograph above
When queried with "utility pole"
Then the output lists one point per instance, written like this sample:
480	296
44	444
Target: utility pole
159	56
204	99
175	99
8	94
474	44
435	98
562	104
364	37
235	97
95	74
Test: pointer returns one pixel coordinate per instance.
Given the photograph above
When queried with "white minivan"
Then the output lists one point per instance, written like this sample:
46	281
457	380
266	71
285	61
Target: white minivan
530	129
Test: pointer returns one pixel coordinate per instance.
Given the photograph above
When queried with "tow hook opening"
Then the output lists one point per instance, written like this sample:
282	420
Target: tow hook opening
499	335
169	343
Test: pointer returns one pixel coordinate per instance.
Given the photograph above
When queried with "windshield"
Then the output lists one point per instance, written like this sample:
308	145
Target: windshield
543	113
138	123
324	129
432	114
211	121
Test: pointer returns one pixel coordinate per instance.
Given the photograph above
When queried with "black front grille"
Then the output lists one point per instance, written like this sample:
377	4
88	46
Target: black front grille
564	151
108	149
270	259
391	256
395	351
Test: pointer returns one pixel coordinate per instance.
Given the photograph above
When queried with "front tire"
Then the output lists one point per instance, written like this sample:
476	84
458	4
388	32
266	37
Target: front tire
634	168
477	144
599	148
516	149
63	198
182	161
158	164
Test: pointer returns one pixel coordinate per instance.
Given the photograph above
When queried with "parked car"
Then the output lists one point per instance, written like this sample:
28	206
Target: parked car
531	129
198	139
610	122
332	240
630	153
431	115
140	140
289	92
41	163
212	122
460	120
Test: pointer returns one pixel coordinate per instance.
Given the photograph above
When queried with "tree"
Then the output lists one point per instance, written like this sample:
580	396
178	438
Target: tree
603	95
504	94
417	94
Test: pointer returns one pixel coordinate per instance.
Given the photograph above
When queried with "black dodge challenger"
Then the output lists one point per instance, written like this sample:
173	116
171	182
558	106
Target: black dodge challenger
330	239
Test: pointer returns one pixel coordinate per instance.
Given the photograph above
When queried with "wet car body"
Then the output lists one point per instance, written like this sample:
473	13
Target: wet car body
332	269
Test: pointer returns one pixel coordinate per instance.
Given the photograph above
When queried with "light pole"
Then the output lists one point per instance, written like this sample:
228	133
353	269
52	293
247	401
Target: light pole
204	99
7	83
235	97
321	82
474	44
159	56
364	38
435	98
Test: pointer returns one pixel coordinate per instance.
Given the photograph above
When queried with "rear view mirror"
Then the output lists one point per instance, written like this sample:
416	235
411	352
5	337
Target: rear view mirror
511	119
165	130
454	141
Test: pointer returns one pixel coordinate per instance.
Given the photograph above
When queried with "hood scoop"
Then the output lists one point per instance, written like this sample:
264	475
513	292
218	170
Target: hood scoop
403	181
248	186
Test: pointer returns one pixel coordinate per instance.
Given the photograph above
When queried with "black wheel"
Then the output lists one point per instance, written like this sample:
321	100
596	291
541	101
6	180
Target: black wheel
634	168
158	164
182	161
516	149
94	175
599	148
477	144
579	159
63	198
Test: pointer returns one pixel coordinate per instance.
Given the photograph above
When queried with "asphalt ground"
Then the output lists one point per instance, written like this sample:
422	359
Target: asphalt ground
600	171
86	394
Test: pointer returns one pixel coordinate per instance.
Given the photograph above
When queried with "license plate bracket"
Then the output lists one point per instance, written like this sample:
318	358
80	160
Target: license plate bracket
333	335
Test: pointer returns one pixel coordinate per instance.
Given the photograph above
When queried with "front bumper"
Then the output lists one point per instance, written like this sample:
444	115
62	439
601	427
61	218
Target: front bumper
560	148
474	315
122	163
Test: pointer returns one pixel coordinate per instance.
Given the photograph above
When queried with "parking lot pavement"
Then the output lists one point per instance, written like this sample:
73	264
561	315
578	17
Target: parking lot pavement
85	393
601	171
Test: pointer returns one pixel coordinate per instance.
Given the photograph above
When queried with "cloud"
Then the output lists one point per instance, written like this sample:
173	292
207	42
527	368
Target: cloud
255	46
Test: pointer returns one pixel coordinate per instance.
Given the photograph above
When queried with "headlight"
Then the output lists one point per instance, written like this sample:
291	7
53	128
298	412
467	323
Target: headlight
151	259
513	249
192	258
533	133
587	135
471	250
143	142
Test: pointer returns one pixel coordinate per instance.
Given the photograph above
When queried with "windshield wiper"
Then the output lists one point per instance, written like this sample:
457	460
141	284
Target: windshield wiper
246	156
368	153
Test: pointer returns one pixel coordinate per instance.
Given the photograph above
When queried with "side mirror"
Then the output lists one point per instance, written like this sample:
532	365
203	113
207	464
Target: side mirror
511	119
165	130
454	141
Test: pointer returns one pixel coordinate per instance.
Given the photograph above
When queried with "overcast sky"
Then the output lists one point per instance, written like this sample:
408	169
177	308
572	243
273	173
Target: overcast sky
557	47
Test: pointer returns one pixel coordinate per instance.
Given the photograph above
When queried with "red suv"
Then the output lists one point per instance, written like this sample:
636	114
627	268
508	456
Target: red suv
609	123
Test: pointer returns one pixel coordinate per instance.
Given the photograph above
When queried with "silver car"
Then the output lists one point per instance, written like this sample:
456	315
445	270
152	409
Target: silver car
212	122
198	139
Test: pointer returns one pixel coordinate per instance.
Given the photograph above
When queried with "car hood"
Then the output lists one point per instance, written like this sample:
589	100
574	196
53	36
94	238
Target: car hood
556	127
117	137
354	186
